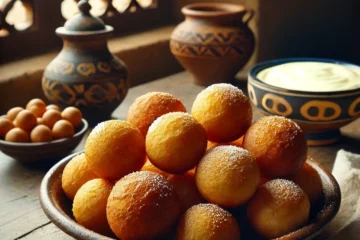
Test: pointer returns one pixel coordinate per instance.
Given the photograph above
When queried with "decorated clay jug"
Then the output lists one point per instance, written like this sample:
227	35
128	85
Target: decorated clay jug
85	74
214	42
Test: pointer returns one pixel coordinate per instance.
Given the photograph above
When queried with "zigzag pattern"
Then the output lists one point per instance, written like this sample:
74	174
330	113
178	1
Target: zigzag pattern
210	38
205	51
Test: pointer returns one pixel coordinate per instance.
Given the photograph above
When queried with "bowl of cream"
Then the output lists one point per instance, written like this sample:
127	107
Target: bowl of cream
321	95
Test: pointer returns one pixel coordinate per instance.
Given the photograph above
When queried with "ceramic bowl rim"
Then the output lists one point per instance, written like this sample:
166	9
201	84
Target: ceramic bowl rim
53	142
266	64
71	227
225	9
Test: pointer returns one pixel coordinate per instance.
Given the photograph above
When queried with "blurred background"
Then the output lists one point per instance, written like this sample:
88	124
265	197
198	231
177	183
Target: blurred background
321	28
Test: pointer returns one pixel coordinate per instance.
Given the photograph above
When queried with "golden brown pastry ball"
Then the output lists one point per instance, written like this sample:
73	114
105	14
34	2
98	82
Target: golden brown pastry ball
26	120
148	107
186	189
17	135
142	205
73	115
37	110
207	222
12	113
41	133
40	121
62	129
76	173
224	111
227	176
50	117
53	106
278	208
89	206
36	102
5	126
148	166
309	181
175	142
115	148
237	143
278	144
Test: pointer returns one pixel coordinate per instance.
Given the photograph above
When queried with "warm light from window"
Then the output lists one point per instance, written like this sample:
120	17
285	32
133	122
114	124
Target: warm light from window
21	16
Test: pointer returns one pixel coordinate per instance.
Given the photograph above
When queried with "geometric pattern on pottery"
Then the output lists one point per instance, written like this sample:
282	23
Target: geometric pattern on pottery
84	69
352	109
276	105
252	95
320	108
85	94
210	44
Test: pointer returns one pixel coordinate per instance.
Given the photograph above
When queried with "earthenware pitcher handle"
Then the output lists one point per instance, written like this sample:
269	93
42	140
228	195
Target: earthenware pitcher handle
250	14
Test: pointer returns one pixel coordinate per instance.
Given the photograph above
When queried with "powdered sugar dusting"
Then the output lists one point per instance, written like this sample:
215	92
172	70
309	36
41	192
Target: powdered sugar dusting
232	157
218	216
186	120
154	183
284	190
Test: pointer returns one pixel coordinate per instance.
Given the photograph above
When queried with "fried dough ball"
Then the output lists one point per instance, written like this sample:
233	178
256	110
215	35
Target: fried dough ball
115	148
36	102
148	107
89	206
309	181
186	189
52	106
237	143
227	176
5	126
224	111
50	117
278	144
40	121
62	129
142	205
76	173
41	133
148	166
73	115
12	113
278	208
37	111
26	120
17	135
175	142
207	222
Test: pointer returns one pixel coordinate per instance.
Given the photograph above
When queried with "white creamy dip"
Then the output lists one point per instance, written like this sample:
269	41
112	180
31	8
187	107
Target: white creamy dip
311	76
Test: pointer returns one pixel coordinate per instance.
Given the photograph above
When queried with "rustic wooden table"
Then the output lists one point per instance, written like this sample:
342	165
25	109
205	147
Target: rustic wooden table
21	216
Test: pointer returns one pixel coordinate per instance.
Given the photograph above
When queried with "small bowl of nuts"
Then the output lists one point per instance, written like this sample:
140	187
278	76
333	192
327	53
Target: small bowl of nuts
41	132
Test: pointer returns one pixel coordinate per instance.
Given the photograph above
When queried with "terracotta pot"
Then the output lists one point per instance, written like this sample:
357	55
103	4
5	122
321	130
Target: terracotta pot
85	74
214	42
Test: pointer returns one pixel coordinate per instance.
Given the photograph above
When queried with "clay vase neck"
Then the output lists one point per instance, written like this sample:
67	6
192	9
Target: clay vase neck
91	49
220	14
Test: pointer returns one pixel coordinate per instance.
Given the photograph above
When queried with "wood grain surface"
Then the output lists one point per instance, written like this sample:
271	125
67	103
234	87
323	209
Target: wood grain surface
21	216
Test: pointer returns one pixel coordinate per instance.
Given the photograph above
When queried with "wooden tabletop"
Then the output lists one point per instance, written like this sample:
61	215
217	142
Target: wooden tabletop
21	216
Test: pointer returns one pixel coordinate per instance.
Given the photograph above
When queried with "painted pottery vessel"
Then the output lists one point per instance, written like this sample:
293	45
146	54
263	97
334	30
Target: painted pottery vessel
319	114
214	42
85	74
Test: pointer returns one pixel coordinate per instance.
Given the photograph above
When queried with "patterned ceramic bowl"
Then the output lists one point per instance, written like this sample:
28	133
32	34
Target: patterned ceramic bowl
319	114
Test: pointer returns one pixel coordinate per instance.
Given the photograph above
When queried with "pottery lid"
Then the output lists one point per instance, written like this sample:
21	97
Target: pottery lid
84	21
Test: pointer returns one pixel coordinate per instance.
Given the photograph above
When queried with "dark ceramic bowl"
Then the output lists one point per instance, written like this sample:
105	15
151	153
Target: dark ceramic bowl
319	114
38	152
58	207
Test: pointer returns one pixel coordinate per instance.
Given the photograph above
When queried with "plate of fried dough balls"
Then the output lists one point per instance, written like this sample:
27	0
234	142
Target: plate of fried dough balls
208	174
39	132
